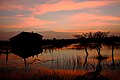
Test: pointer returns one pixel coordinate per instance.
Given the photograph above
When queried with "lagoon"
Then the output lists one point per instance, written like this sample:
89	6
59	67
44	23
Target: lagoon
67	58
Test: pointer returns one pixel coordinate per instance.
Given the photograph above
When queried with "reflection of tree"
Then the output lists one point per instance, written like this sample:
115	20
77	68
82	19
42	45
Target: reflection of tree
7	55
98	48
99	36
85	60
92	40
113	62
5	49
7	52
86	51
95	75
112	44
84	42
99	66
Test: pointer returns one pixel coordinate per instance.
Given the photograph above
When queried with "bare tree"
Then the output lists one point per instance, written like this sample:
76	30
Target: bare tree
97	36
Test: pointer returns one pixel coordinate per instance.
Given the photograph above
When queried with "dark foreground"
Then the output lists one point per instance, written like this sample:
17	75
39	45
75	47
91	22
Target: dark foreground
47	74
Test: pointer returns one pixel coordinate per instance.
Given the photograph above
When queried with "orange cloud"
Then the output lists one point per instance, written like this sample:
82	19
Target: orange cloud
9	6
27	22
86	16
69	5
85	19
77	20
77	30
31	21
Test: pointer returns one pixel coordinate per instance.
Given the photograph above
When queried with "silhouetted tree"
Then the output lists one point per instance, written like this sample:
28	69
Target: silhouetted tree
83	38
87	38
99	36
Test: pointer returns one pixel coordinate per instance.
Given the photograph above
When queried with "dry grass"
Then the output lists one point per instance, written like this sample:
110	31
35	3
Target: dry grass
40	74
47	74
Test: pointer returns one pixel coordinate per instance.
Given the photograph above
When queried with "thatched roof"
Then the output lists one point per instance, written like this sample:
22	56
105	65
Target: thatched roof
26	35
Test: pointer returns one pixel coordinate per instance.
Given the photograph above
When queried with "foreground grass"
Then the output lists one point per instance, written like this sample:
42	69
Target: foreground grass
39	74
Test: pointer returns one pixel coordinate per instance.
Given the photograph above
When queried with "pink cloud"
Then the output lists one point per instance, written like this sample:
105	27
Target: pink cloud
85	19
77	20
27	22
87	16
16	5
31	21
69	5
11	7
77	30
58	6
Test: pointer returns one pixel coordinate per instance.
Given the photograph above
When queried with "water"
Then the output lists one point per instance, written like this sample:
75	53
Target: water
66	58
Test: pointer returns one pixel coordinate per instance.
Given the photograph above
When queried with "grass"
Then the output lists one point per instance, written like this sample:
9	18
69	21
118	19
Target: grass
39	74
47	74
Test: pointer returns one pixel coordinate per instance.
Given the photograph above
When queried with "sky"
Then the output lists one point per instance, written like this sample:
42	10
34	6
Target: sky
58	18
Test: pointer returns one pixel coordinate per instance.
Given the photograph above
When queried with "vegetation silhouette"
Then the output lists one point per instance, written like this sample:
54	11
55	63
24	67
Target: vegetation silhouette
92	41
28	44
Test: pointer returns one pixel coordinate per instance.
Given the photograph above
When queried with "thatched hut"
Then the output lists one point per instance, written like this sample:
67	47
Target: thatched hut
26	44
26	39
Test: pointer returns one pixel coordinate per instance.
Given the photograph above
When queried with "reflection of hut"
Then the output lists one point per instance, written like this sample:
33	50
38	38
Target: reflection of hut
26	52
26	44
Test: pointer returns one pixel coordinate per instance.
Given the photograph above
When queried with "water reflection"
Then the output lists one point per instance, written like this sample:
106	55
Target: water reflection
113	62
113	46
85	60
71	57
25	52
94	75
5	50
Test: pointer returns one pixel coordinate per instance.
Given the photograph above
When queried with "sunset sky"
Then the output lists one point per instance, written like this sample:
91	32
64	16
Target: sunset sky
58	18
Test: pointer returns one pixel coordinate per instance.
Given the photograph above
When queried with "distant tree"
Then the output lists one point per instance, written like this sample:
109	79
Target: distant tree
84	35
100	34
85	39
54	38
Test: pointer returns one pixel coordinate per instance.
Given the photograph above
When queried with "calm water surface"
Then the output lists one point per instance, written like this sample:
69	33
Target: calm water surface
66	58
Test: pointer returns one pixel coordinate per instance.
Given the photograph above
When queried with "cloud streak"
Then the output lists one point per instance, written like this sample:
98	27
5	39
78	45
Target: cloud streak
87	19
59	15
20	22
66	5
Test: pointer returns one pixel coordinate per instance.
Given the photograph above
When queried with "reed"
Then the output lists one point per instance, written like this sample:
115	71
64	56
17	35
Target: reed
39	74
